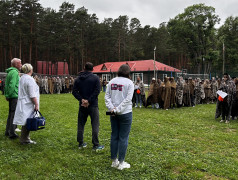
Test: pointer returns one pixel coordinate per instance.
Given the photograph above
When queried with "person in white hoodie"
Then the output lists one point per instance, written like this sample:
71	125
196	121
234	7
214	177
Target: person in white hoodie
118	99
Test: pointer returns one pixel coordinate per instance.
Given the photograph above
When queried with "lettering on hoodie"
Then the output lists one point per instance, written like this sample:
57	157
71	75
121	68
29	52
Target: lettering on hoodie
116	87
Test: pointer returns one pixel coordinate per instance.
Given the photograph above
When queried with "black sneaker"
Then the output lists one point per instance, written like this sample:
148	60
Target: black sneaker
14	136
98	148
81	146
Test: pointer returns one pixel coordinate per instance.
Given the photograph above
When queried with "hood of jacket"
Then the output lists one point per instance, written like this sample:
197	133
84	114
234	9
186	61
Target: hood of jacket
84	75
11	69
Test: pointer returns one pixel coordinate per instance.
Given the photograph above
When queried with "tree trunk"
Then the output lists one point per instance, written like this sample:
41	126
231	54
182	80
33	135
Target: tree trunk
20	47
119	47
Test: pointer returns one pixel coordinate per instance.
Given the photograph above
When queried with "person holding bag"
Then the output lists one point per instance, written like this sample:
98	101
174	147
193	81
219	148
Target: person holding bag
139	91
118	99
28	102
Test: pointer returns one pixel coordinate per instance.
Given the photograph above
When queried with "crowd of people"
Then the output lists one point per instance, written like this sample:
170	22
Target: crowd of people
23	94
53	85
169	94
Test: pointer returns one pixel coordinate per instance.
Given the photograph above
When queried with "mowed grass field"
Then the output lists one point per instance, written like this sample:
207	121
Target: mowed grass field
185	143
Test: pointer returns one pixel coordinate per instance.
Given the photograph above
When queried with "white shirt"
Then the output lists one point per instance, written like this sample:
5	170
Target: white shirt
27	89
119	95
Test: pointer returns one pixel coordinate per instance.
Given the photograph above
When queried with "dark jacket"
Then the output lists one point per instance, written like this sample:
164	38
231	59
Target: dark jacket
87	86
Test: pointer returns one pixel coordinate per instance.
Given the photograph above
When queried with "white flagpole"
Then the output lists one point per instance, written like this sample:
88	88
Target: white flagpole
223	50
154	60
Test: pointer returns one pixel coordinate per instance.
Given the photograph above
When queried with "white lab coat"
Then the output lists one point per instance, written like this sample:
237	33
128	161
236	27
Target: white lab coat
27	89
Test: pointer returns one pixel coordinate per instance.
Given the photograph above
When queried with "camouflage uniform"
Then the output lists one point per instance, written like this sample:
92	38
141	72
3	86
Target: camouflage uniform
234	112
207	90
214	88
173	92
45	85
179	92
67	84
58	85
63	84
198	89
186	95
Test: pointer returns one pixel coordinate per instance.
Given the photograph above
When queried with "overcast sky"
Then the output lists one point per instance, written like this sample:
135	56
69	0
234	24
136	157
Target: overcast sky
149	12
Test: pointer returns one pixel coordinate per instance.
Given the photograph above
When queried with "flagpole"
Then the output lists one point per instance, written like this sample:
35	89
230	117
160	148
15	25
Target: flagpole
154	61
223	50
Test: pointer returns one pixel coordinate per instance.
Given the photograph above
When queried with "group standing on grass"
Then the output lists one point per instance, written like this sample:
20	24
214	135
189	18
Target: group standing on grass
23	94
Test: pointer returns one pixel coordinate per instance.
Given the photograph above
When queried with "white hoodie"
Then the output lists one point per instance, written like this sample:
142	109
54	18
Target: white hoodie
119	95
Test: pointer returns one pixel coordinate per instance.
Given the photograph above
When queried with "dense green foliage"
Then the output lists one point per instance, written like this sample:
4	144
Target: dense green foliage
189	40
185	143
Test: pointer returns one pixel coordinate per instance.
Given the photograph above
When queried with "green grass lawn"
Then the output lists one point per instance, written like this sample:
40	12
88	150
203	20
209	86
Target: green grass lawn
186	143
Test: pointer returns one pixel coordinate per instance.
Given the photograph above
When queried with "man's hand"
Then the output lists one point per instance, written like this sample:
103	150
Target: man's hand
85	103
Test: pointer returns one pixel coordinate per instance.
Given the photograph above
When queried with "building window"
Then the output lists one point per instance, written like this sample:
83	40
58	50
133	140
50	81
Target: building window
107	76
135	75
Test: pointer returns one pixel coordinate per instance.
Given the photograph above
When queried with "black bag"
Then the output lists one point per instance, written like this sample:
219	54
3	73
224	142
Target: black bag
34	123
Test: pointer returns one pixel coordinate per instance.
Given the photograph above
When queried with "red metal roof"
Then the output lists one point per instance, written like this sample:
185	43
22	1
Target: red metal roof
142	65
58	68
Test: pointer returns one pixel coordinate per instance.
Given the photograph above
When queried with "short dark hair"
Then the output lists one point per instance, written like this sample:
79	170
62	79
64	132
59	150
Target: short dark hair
124	71
88	66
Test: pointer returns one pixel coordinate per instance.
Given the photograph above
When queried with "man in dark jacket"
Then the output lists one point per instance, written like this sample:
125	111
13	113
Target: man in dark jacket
86	90
11	94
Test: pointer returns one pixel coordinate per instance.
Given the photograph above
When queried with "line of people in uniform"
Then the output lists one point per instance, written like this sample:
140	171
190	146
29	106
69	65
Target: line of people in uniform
169	94
53	85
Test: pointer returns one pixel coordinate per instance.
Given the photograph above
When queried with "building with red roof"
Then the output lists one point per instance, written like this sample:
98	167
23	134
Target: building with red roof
50	68
142	68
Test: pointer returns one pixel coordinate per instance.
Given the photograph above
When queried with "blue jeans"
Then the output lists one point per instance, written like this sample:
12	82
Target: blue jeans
138	98
121	126
104	88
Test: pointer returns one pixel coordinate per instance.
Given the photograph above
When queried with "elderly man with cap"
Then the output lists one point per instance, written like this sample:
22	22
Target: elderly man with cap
11	94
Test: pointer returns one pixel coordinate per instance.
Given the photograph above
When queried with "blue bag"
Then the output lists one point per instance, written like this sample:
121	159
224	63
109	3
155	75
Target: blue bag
35	122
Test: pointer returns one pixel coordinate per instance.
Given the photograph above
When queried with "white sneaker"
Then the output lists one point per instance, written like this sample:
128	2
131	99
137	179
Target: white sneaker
135	106
29	142
123	165
115	163
140	106
17	130
227	121
221	121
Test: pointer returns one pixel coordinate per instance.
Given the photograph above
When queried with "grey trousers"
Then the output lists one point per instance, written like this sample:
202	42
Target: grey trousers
10	127
25	135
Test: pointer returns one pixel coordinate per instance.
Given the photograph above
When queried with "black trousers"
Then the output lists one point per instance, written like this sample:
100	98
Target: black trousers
83	114
225	110
10	127
192	100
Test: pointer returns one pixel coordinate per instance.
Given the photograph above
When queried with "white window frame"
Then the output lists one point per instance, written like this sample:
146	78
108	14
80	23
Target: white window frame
107	76
134	76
